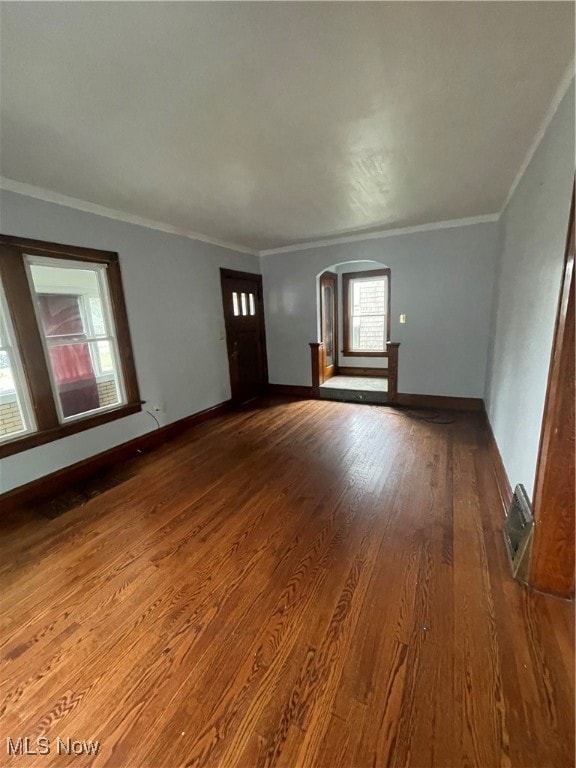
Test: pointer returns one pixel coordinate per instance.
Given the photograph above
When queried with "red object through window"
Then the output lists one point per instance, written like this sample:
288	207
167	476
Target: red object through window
71	362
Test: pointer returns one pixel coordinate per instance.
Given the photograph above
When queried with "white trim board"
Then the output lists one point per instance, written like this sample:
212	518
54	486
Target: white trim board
338	239
29	190
40	193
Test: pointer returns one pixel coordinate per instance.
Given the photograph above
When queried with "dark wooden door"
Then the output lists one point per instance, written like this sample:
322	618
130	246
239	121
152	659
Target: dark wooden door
245	335
329	322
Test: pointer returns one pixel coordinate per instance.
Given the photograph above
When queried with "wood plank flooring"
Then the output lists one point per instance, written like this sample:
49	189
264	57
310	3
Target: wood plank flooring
310	583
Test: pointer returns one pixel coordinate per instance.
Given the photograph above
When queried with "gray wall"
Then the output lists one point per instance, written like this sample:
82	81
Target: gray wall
172	289
441	279
527	287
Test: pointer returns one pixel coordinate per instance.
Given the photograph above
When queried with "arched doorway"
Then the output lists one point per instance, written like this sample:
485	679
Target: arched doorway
354	358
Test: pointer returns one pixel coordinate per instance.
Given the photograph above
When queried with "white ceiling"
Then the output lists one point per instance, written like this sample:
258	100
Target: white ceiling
267	124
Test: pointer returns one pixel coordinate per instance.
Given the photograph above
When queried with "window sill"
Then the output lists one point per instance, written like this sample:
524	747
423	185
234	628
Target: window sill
350	353
33	439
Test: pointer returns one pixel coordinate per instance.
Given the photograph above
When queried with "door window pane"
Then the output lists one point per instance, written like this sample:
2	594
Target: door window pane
75	318
252	304
243	303
328	329
235	307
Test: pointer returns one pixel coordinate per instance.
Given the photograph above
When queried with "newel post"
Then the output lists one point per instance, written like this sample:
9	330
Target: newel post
392	349
317	358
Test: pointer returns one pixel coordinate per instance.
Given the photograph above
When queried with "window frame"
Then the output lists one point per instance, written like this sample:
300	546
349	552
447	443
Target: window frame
347	280
22	314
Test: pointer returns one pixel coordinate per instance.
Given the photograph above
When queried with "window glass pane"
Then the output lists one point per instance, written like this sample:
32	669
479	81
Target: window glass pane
61	315
243	303
15	410
106	383
369	297
75	378
102	352
12	421
74	315
235	307
368	333
96	317
252	304
6	375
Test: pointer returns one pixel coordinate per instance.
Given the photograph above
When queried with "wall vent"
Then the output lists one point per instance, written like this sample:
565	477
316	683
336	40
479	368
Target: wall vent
518	533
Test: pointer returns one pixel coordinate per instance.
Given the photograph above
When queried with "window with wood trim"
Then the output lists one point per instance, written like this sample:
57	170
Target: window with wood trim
66	361
366	312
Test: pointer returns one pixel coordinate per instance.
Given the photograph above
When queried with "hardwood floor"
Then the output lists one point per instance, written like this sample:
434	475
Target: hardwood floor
304	583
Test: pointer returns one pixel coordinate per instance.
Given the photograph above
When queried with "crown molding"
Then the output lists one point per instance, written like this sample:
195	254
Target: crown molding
561	91
29	190
338	240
